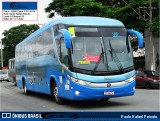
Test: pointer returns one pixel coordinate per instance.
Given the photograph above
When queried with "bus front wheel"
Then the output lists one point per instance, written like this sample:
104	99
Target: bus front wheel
54	92
105	100
26	91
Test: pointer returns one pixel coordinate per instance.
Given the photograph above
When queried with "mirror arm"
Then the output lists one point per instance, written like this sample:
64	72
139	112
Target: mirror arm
67	37
139	36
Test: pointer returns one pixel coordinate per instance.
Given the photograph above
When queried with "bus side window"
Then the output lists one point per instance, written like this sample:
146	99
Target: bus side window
64	52
49	42
57	27
39	45
58	44
56	30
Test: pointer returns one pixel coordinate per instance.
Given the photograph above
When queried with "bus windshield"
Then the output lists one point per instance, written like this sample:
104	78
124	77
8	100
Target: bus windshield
100	49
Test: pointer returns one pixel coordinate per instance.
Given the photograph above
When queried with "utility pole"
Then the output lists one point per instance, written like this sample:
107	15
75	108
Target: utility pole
145	13
152	52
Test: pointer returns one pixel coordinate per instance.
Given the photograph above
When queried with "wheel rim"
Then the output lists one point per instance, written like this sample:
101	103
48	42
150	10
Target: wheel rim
25	89
55	93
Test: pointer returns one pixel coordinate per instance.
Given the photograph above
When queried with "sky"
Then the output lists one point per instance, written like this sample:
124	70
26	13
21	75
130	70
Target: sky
42	16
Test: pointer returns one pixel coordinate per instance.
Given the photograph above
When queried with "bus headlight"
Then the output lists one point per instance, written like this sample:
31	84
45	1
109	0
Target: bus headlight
81	82
73	79
130	79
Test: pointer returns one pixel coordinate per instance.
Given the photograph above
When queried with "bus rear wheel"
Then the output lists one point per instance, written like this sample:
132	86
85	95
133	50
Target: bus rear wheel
54	92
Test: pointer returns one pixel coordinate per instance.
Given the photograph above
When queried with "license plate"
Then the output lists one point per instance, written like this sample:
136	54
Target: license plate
109	93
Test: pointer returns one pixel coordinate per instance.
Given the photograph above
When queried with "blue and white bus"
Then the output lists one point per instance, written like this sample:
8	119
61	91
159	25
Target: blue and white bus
78	58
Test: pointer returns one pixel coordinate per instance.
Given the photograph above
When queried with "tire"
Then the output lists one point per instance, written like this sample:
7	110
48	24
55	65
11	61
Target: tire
147	85
143	86
105	100
54	93
26	91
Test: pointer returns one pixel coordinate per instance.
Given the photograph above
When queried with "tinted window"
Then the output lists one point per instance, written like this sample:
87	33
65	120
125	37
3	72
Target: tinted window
151	73
62	51
39	45
48	42
57	27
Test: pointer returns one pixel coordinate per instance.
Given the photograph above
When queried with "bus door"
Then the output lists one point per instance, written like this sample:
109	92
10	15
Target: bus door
63	58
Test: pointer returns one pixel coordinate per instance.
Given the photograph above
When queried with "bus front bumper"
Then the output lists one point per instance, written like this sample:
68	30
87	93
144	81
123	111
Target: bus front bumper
79	92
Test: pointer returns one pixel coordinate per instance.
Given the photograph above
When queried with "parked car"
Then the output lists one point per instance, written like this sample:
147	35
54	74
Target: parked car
11	71
147	79
4	75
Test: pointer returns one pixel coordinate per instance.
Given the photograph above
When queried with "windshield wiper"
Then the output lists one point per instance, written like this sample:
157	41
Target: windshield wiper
111	49
95	68
97	64
115	58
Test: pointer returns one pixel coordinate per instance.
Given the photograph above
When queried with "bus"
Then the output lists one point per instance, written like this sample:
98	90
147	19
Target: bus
78	58
11	71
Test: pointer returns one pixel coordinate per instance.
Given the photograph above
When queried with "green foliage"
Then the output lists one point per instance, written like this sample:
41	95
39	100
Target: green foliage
14	36
108	8
77	8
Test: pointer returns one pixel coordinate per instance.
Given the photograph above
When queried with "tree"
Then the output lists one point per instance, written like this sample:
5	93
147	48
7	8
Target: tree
14	36
121	10
76	8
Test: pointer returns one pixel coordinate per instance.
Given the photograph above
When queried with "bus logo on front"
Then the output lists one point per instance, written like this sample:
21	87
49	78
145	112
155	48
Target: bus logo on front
106	78
115	34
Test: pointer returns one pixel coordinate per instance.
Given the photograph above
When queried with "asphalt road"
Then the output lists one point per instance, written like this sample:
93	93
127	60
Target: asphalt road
13	99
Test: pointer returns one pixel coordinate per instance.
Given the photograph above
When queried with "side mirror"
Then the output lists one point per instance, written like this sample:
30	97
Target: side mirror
139	36
67	37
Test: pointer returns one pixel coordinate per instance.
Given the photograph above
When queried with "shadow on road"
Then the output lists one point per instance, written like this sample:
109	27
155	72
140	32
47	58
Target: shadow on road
140	87
80	105
44	102
93	104
72	105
